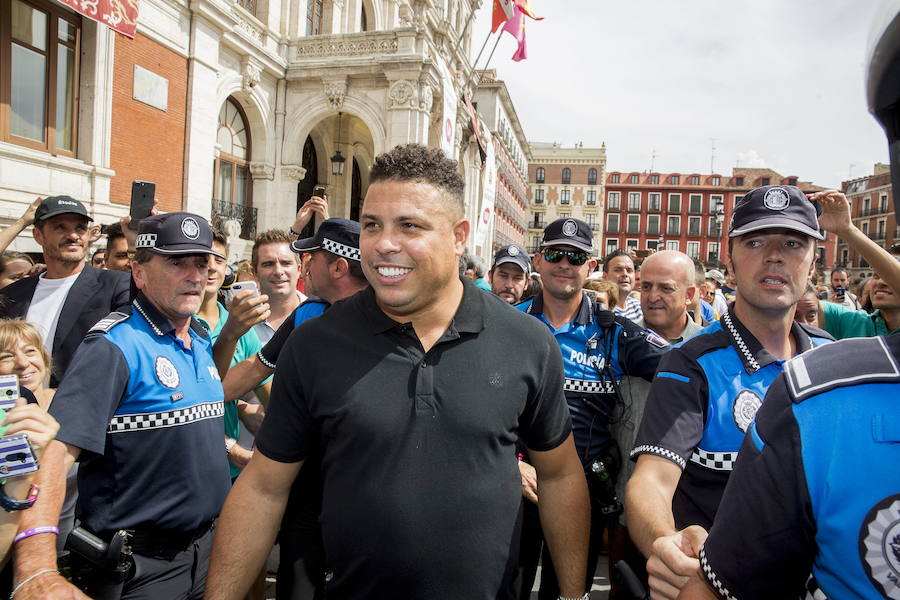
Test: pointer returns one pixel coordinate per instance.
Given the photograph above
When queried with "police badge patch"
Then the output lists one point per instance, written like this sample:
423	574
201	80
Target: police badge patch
745	406
190	228
570	228
513	251
777	199
879	546
166	372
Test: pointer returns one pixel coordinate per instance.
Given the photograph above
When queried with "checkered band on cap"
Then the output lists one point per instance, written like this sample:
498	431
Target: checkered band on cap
587	386
145	240
169	418
718	461
340	249
661	452
712	578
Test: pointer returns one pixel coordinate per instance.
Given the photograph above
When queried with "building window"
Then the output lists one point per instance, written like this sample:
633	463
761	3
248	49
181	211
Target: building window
654	199
537	220
716	180
693	249
652	244
539	196
612	200
674	226
614	178
865	228
652	224
634	201
592	197
695	180
40	55
714	228
883	204
766	181
539	175
611	245
633	179
879	235
564	215
673	245
712	252
592	177
250	6
695	204
314	17
631	244
634	224
676	179
714	201
612	223
565	196
232	172
567	175
739	181
694	224
845	256
654	179
674	203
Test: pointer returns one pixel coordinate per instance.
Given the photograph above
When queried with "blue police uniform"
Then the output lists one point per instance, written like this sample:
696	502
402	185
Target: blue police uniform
816	487
312	307
147	413
704	397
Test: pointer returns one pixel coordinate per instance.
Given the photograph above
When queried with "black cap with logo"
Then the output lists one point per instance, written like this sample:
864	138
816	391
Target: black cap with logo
338	236
775	207
60	205
569	232
514	254
176	233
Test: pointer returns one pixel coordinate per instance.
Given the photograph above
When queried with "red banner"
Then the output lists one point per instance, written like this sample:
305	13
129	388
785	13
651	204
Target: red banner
119	15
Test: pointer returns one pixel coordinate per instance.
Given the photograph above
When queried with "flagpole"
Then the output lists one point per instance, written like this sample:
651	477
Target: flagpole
462	36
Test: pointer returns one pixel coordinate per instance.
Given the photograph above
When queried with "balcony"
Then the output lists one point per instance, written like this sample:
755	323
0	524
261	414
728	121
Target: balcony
871	212
223	211
594	226
536	224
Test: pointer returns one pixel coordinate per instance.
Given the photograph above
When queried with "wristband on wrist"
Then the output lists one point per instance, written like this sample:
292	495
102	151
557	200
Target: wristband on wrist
27	533
587	596
10	504
229	444
28	579
293	233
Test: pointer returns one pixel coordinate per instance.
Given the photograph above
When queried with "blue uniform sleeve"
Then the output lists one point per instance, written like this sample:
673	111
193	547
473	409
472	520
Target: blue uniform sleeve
676	406
639	352
269	353
762	543
87	398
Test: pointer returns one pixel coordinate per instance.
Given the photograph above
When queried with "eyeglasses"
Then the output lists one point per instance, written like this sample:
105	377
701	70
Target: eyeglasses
576	257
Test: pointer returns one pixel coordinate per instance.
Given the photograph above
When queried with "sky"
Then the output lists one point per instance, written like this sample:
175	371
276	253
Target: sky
775	83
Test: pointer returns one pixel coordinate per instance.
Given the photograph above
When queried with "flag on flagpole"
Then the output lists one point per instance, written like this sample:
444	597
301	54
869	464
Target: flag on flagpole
516	28
525	6
503	11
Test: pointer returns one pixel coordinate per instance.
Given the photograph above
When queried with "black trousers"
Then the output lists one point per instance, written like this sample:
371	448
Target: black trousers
301	568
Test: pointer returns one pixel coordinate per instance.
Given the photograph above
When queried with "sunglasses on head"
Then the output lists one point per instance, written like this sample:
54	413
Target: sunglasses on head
576	257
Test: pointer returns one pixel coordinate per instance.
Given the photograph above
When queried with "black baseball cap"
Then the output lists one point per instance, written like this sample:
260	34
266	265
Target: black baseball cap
176	233
338	236
775	207
60	205
514	254
569	232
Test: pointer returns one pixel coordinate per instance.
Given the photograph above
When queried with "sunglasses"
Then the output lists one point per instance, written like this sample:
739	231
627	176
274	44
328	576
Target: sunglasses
576	257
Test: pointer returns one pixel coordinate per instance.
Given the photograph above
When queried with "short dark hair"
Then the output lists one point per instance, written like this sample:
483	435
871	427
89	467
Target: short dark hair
414	162
113	232
614	254
272	236
143	255
840	269
355	267
219	237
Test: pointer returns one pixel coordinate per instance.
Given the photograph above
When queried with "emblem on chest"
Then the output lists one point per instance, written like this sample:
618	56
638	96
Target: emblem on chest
166	372
745	406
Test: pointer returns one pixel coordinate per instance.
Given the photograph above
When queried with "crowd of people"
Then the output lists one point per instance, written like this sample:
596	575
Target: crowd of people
414	425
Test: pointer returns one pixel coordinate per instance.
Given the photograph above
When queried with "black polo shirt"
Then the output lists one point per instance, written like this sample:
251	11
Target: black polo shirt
421	486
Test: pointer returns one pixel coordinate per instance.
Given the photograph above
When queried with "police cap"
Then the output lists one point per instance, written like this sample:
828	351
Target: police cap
176	233
775	207
338	236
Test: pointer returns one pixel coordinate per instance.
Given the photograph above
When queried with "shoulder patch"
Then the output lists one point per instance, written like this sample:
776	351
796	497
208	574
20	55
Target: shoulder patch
108	322
847	362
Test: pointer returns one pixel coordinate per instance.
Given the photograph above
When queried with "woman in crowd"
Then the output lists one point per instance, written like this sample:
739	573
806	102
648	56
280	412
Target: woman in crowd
13	267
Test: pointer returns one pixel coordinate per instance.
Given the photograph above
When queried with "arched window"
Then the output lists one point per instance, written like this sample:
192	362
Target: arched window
231	174
592	177
314	17
567	175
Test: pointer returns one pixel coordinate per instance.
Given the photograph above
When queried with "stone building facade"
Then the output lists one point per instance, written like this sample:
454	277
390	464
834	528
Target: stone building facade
872	210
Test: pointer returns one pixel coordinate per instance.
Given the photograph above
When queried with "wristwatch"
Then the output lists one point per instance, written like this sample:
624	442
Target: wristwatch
229	444
10	504
587	596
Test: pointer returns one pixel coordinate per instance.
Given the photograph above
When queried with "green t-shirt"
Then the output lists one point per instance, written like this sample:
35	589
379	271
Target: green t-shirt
842	322
247	346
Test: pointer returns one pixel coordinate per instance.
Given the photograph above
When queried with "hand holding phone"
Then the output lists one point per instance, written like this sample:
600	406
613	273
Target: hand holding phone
241	286
142	194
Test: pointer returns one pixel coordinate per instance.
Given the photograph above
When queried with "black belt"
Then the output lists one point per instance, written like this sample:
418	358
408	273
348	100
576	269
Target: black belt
159	542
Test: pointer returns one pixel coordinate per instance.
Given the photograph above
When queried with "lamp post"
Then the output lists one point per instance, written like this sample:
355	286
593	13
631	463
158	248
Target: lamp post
337	161
720	219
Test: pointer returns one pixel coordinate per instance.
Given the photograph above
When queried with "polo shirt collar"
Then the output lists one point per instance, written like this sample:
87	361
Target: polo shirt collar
584	316
753	355
159	323
469	317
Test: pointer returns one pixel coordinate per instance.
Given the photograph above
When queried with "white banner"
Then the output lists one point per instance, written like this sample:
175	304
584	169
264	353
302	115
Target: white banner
448	118
488	187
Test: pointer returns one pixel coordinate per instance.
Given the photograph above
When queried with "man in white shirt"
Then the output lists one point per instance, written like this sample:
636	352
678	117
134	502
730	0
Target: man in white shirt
716	279
71	296
619	268
277	270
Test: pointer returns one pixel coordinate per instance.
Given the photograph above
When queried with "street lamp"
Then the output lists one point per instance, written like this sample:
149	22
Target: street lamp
720	219
337	161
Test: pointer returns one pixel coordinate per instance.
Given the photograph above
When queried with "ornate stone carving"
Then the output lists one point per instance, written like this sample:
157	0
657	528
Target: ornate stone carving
250	75
262	170
295	172
245	26
335	92
402	95
352	44
426	97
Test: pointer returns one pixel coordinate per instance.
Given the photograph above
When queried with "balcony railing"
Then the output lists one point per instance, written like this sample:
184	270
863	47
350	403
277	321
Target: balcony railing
871	212
222	211
594	226
536	224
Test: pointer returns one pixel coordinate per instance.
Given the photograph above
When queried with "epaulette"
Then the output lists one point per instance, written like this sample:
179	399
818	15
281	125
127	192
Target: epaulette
852	361
108	322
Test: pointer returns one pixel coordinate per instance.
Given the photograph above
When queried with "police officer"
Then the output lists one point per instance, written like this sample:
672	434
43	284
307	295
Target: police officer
816	486
142	411
598	350
708	389
509	273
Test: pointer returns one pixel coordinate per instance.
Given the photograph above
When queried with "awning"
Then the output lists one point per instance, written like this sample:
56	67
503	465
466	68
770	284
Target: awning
119	15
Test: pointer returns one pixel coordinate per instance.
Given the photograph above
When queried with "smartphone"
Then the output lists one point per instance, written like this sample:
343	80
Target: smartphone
642	253
16	456
142	193
319	191
9	393
240	286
